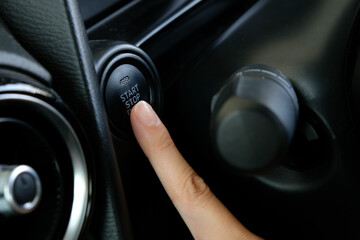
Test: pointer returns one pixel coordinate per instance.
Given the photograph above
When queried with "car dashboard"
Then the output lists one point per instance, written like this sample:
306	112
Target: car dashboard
260	96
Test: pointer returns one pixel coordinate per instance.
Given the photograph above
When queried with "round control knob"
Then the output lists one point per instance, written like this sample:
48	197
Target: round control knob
20	189
254	118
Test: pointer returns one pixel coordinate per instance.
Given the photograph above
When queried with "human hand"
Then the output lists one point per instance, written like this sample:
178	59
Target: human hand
204	214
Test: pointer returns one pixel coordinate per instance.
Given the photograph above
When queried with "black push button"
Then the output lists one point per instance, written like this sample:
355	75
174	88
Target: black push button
24	188
128	75
125	87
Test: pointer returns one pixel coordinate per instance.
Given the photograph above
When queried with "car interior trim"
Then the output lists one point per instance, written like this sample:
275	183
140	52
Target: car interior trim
81	181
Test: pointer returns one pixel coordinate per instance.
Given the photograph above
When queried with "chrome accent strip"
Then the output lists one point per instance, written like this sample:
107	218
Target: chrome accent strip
168	21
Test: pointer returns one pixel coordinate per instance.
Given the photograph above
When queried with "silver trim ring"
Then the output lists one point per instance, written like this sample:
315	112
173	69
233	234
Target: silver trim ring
81	180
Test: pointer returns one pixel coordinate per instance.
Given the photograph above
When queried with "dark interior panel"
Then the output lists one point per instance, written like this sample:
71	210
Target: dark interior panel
69	63
311	42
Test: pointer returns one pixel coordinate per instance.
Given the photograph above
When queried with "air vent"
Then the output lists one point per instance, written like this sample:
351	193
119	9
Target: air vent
35	134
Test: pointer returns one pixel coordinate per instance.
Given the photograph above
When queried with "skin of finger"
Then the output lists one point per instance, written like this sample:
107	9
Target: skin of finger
204	214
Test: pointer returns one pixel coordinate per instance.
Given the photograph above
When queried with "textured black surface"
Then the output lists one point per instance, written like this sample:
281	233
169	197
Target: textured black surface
53	31
13	56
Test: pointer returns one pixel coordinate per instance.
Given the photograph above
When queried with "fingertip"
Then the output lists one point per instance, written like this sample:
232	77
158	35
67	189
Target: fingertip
144	114
150	132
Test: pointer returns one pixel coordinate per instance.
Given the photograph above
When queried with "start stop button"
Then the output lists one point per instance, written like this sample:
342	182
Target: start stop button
127	76
125	87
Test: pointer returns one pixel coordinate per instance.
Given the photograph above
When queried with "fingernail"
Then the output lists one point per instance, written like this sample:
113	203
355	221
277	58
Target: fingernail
144	112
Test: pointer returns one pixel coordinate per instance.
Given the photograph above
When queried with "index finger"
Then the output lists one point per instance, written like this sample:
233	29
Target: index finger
203	213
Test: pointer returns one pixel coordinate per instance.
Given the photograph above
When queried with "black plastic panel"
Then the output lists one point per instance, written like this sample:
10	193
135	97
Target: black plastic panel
311	42
136	20
91	9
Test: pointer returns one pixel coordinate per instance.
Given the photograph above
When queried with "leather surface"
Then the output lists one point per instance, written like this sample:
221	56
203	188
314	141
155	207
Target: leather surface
53	32
13	56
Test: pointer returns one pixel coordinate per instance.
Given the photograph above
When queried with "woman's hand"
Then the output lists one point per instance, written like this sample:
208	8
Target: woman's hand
206	217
